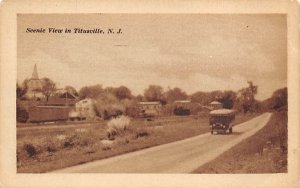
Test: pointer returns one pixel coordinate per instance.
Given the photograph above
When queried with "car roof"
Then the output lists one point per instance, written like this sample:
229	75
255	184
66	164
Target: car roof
222	112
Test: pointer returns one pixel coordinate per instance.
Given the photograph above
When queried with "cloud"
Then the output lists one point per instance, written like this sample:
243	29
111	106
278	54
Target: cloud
191	51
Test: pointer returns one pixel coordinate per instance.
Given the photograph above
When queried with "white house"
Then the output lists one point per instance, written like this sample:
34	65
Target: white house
85	109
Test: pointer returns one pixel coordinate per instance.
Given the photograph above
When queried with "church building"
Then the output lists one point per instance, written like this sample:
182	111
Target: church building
34	86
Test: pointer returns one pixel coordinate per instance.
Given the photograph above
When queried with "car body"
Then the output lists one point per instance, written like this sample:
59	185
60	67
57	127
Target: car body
220	120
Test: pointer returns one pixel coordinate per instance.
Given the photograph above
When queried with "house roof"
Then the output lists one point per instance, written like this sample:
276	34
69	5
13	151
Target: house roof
86	100
65	94
215	102
60	101
150	103
222	112
182	101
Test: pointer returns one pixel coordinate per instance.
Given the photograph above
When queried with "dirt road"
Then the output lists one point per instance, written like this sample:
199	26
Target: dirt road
177	157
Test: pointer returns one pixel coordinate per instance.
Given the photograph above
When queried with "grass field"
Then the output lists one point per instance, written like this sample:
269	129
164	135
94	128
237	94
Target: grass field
265	152
41	149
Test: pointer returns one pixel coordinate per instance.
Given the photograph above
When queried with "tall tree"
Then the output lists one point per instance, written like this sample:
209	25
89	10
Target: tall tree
48	87
175	94
140	98
216	95
228	99
154	93
72	90
200	97
279	99
246	97
122	92
91	91
20	91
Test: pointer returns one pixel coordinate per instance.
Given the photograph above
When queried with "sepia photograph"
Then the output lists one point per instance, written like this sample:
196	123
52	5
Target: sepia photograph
152	93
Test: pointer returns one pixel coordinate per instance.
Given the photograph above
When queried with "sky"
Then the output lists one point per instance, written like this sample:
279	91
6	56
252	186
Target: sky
195	52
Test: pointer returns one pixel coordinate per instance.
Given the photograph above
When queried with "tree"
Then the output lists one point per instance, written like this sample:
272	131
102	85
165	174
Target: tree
72	90
20	91
122	92
22	114
175	94
279	99
48	87
200	97
90	91
131	107
140	98
228	99
155	93
216	95
246	99
205	98
107	105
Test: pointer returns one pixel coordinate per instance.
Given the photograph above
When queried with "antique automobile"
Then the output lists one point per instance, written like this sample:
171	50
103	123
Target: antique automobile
220	120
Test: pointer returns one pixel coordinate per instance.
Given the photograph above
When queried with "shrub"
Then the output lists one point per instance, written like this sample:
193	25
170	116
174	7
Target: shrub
51	144
30	150
108	106
69	141
117	126
106	144
79	139
141	133
131	107
22	115
168	109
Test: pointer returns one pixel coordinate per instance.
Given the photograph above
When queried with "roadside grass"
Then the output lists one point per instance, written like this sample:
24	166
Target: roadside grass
264	152
42	150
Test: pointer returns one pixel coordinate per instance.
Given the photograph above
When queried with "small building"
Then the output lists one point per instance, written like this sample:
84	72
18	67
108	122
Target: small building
150	108
182	103
39	114
182	107
62	97
215	105
84	109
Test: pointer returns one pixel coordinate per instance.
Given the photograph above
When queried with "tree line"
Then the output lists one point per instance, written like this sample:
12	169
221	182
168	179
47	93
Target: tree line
120	99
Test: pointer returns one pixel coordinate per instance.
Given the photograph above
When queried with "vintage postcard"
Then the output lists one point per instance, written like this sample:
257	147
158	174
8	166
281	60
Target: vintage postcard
150	98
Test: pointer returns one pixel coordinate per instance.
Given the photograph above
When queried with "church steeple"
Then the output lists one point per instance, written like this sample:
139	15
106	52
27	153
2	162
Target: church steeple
34	85
35	73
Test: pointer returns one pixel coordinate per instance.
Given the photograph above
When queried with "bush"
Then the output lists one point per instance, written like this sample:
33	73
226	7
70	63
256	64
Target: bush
30	150
131	107
22	115
106	144
108	106
69	141
278	100
117	126
168	109
141	133
78	139
50	144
